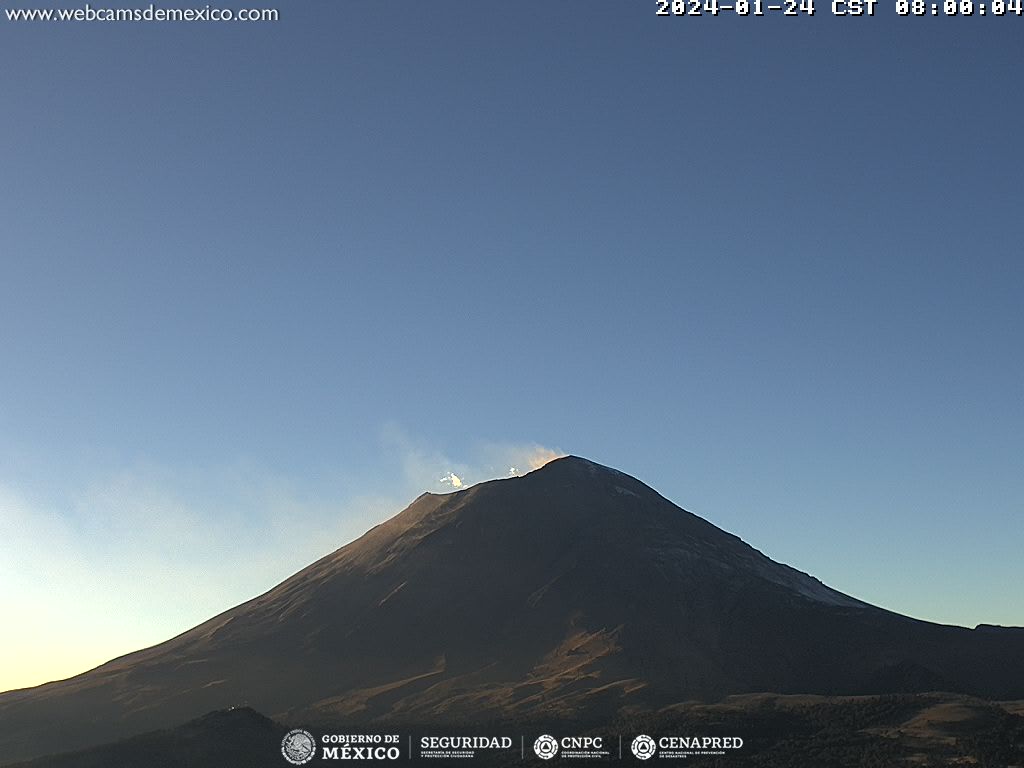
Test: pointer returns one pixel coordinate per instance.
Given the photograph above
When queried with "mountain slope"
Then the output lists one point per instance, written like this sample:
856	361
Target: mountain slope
575	591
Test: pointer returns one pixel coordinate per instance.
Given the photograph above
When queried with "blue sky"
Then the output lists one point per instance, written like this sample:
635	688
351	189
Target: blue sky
260	285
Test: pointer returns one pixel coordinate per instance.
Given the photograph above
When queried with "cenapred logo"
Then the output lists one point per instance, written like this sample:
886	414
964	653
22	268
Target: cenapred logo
643	747
298	746
546	747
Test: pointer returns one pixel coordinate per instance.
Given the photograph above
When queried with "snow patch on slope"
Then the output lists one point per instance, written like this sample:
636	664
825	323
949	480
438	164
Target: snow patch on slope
804	584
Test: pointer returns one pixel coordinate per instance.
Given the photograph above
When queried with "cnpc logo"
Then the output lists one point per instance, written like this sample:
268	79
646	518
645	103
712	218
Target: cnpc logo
546	746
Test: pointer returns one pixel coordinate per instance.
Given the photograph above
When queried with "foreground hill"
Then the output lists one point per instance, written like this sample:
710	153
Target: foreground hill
238	737
574	592
936	729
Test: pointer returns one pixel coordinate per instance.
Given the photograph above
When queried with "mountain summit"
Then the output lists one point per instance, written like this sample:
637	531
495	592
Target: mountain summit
573	592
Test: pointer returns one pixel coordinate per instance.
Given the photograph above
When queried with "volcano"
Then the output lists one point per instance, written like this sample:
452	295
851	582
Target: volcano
573	593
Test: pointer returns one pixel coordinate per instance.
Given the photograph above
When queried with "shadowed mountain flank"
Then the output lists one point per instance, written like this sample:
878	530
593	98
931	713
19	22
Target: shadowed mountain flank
573	592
